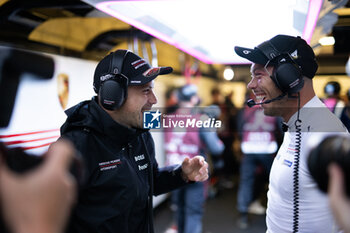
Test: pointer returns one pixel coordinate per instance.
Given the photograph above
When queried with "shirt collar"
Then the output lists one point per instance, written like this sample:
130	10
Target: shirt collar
314	102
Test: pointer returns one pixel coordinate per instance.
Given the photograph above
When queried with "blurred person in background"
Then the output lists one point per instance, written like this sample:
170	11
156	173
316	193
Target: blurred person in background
260	138
172	102
215	158
227	134
181	144
333	101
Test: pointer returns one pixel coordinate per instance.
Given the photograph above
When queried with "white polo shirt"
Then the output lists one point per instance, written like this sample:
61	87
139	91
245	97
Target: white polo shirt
315	215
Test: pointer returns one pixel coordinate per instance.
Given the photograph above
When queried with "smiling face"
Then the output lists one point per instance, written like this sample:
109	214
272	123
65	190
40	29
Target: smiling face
265	89
140	98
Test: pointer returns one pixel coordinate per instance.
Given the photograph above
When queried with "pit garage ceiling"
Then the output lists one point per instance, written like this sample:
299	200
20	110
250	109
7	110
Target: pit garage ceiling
76	28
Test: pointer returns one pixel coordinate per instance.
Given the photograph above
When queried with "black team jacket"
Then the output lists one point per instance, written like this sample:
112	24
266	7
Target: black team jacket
115	196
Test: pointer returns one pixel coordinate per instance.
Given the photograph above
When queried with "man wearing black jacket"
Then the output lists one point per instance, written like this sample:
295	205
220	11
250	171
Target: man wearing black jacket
122	172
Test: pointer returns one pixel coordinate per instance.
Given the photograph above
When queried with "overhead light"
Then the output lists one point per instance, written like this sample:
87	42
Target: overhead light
209	29
228	73
327	40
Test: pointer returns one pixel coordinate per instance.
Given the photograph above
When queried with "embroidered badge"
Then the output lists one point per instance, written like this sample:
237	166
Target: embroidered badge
151	72
109	164
138	63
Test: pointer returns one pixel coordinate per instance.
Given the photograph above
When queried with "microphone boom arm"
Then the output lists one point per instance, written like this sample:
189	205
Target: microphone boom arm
252	103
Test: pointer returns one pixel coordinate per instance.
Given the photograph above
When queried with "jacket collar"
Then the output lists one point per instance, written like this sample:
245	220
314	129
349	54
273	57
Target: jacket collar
109	127
89	115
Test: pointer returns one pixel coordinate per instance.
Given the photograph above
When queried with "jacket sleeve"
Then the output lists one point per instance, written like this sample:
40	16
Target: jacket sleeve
165	179
85	169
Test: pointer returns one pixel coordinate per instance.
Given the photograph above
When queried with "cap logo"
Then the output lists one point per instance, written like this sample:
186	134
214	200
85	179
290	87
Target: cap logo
294	54
151	72
283	60
272	55
106	77
246	51
138	63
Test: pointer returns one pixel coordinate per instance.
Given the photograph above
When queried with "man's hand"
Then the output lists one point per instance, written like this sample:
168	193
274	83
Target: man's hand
340	203
195	169
40	200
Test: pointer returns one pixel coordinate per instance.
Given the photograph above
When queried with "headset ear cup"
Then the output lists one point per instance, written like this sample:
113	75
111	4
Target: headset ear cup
288	78
111	94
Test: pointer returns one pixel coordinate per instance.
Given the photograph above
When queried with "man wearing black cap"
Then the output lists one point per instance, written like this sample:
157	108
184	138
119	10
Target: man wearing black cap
282	72
122	172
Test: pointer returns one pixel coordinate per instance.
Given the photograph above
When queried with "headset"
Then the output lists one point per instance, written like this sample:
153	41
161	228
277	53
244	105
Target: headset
287	74
113	91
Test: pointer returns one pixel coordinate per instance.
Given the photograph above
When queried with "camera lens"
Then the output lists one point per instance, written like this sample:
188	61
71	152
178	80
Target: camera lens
333	149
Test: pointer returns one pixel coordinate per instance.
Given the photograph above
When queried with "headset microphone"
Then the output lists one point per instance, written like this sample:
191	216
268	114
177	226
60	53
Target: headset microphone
252	103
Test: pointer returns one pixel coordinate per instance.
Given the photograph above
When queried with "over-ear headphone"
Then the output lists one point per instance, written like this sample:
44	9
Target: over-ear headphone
113	91
287	74
332	149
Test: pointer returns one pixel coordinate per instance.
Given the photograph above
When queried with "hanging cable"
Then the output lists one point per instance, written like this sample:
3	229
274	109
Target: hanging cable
297	124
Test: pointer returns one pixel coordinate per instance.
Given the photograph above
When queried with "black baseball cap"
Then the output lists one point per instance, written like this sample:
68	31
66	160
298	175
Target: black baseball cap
301	53
136	69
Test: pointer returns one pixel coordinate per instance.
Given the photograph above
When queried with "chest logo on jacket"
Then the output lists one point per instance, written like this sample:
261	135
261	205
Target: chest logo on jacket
141	157
109	164
143	167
